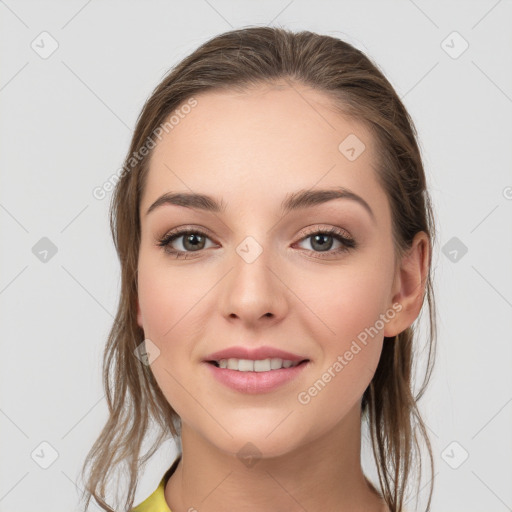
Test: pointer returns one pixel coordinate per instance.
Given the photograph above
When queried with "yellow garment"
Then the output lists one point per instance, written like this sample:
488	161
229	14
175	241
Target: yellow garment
156	502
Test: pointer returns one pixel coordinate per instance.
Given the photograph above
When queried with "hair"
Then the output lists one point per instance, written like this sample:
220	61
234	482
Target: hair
238	60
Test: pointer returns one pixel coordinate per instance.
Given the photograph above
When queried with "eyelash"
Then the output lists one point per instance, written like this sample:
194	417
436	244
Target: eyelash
347	243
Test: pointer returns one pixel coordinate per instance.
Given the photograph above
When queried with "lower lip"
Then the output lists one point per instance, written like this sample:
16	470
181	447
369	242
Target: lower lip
256	382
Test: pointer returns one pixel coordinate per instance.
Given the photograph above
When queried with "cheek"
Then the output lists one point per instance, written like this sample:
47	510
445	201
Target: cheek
166	304
343	302
349	340
166	297
157	304
347	303
173	305
361	303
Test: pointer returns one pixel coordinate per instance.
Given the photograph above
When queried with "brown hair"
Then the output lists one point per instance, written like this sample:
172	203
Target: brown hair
238	60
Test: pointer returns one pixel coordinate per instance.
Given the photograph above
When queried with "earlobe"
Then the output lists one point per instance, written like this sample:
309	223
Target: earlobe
409	285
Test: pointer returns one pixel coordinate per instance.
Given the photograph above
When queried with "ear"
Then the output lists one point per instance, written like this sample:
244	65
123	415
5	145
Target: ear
139	314
409	285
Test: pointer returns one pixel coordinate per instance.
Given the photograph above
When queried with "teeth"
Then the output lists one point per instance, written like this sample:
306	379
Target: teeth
259	365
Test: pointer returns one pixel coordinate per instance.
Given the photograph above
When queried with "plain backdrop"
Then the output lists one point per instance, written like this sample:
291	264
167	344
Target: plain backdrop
73	78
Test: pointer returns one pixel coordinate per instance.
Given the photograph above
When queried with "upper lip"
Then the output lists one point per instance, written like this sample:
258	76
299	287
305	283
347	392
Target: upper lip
258	353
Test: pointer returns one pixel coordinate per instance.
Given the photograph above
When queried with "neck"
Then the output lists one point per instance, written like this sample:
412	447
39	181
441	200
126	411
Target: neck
324	474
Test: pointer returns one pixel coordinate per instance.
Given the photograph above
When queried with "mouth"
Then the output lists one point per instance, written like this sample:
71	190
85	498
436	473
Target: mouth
256	376
256	365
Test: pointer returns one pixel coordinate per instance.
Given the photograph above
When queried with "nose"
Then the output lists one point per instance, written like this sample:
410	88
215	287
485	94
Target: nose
254	291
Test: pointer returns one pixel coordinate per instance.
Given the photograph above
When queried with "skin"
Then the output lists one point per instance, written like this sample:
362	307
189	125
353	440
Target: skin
251	149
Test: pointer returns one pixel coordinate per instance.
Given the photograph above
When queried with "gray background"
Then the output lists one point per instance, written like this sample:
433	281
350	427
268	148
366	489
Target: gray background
65	126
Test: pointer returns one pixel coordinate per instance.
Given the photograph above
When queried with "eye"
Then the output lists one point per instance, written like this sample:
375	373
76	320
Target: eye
323	240
194	240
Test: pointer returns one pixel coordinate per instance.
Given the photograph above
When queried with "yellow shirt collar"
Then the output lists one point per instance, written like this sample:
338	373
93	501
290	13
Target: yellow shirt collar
156	502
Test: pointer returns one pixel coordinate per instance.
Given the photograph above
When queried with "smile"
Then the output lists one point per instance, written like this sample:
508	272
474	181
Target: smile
255	365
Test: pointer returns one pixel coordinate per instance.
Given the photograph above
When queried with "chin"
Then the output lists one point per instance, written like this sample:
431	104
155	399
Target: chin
250	447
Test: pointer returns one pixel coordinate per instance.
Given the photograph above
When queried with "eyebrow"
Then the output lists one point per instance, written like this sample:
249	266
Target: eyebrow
294	201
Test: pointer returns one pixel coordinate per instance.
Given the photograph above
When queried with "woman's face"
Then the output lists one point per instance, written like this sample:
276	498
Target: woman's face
259	276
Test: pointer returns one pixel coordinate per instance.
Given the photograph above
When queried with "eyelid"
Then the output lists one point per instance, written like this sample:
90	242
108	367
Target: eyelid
310	230
181	230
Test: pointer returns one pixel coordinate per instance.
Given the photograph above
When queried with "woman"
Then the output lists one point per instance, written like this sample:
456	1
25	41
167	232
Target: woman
275	235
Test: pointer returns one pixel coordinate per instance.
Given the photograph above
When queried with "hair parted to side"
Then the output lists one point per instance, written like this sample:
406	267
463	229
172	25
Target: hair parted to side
238	60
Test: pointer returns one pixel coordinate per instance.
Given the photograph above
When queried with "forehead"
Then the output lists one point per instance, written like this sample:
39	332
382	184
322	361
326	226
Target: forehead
260	144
